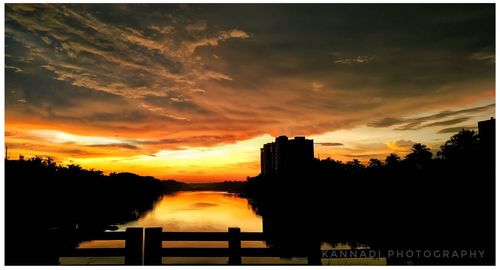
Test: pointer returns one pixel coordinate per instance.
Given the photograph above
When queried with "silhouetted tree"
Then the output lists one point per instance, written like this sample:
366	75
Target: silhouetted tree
355	166
71	199
462	146
375	163
392	160
430	203
420	155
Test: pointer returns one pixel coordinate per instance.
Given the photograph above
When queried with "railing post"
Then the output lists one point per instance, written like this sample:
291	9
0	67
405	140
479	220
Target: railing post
153	246
53	241
133	246
314	253
234	246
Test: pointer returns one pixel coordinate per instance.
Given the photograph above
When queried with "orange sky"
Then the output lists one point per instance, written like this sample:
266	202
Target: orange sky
191	92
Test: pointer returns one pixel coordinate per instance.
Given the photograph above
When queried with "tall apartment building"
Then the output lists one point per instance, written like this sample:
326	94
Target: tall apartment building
285	156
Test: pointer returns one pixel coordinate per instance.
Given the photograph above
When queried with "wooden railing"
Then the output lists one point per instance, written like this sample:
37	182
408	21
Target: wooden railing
132	252
154	251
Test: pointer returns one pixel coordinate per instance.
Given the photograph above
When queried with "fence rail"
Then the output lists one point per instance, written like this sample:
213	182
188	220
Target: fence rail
132	252
154	251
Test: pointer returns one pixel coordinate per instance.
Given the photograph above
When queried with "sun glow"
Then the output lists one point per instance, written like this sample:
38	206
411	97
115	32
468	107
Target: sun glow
232	161
63	137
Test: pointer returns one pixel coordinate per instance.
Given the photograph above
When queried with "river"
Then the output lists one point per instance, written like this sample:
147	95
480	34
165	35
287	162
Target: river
189	211
193	211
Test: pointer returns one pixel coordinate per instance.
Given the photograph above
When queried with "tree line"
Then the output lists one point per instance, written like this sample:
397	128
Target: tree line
41	195
415	201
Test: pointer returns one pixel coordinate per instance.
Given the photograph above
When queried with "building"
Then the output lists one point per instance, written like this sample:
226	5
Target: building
286	156
487	139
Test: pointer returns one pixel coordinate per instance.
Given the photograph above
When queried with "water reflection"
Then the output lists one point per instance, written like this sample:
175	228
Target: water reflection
195	211
200	211
203	211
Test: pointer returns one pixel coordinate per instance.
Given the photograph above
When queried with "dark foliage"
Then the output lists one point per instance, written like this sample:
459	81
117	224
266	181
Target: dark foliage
228	186
413	203
42	196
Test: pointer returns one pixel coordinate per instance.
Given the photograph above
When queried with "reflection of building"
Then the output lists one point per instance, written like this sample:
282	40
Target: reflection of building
286	155
487	138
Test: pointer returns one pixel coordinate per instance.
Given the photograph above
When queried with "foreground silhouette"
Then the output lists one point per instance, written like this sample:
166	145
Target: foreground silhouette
410	203
42	196
414	203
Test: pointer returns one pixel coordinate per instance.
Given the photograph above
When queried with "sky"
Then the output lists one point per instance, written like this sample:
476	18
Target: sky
191	92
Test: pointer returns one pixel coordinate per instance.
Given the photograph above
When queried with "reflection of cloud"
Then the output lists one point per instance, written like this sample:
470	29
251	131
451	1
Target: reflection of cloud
203	204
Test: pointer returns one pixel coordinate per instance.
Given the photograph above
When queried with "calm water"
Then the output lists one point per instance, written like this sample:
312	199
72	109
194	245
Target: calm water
200	211
195	211
191	211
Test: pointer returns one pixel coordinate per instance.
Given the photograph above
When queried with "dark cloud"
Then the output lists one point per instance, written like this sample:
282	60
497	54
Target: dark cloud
386	122
456	129
363	156
116	145
194	140
447	122
330	144
234	72
418	122
203	205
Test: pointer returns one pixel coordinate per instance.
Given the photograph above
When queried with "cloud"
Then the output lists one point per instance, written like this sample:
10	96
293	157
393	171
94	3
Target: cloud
361	59
117	145
118	49
317	87
197	27
203	205
447	122
233	33
148	74
386	122
485	56
456	129
162	29
366	151
163	112
16	69
191	46
422	122
400	146
198	90
330	144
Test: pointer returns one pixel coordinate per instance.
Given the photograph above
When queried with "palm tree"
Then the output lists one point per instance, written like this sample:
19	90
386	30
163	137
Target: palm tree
355	166
461	146
420	155
392	160
375	163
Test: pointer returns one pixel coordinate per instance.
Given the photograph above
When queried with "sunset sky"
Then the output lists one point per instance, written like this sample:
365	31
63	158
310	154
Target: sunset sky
191	92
